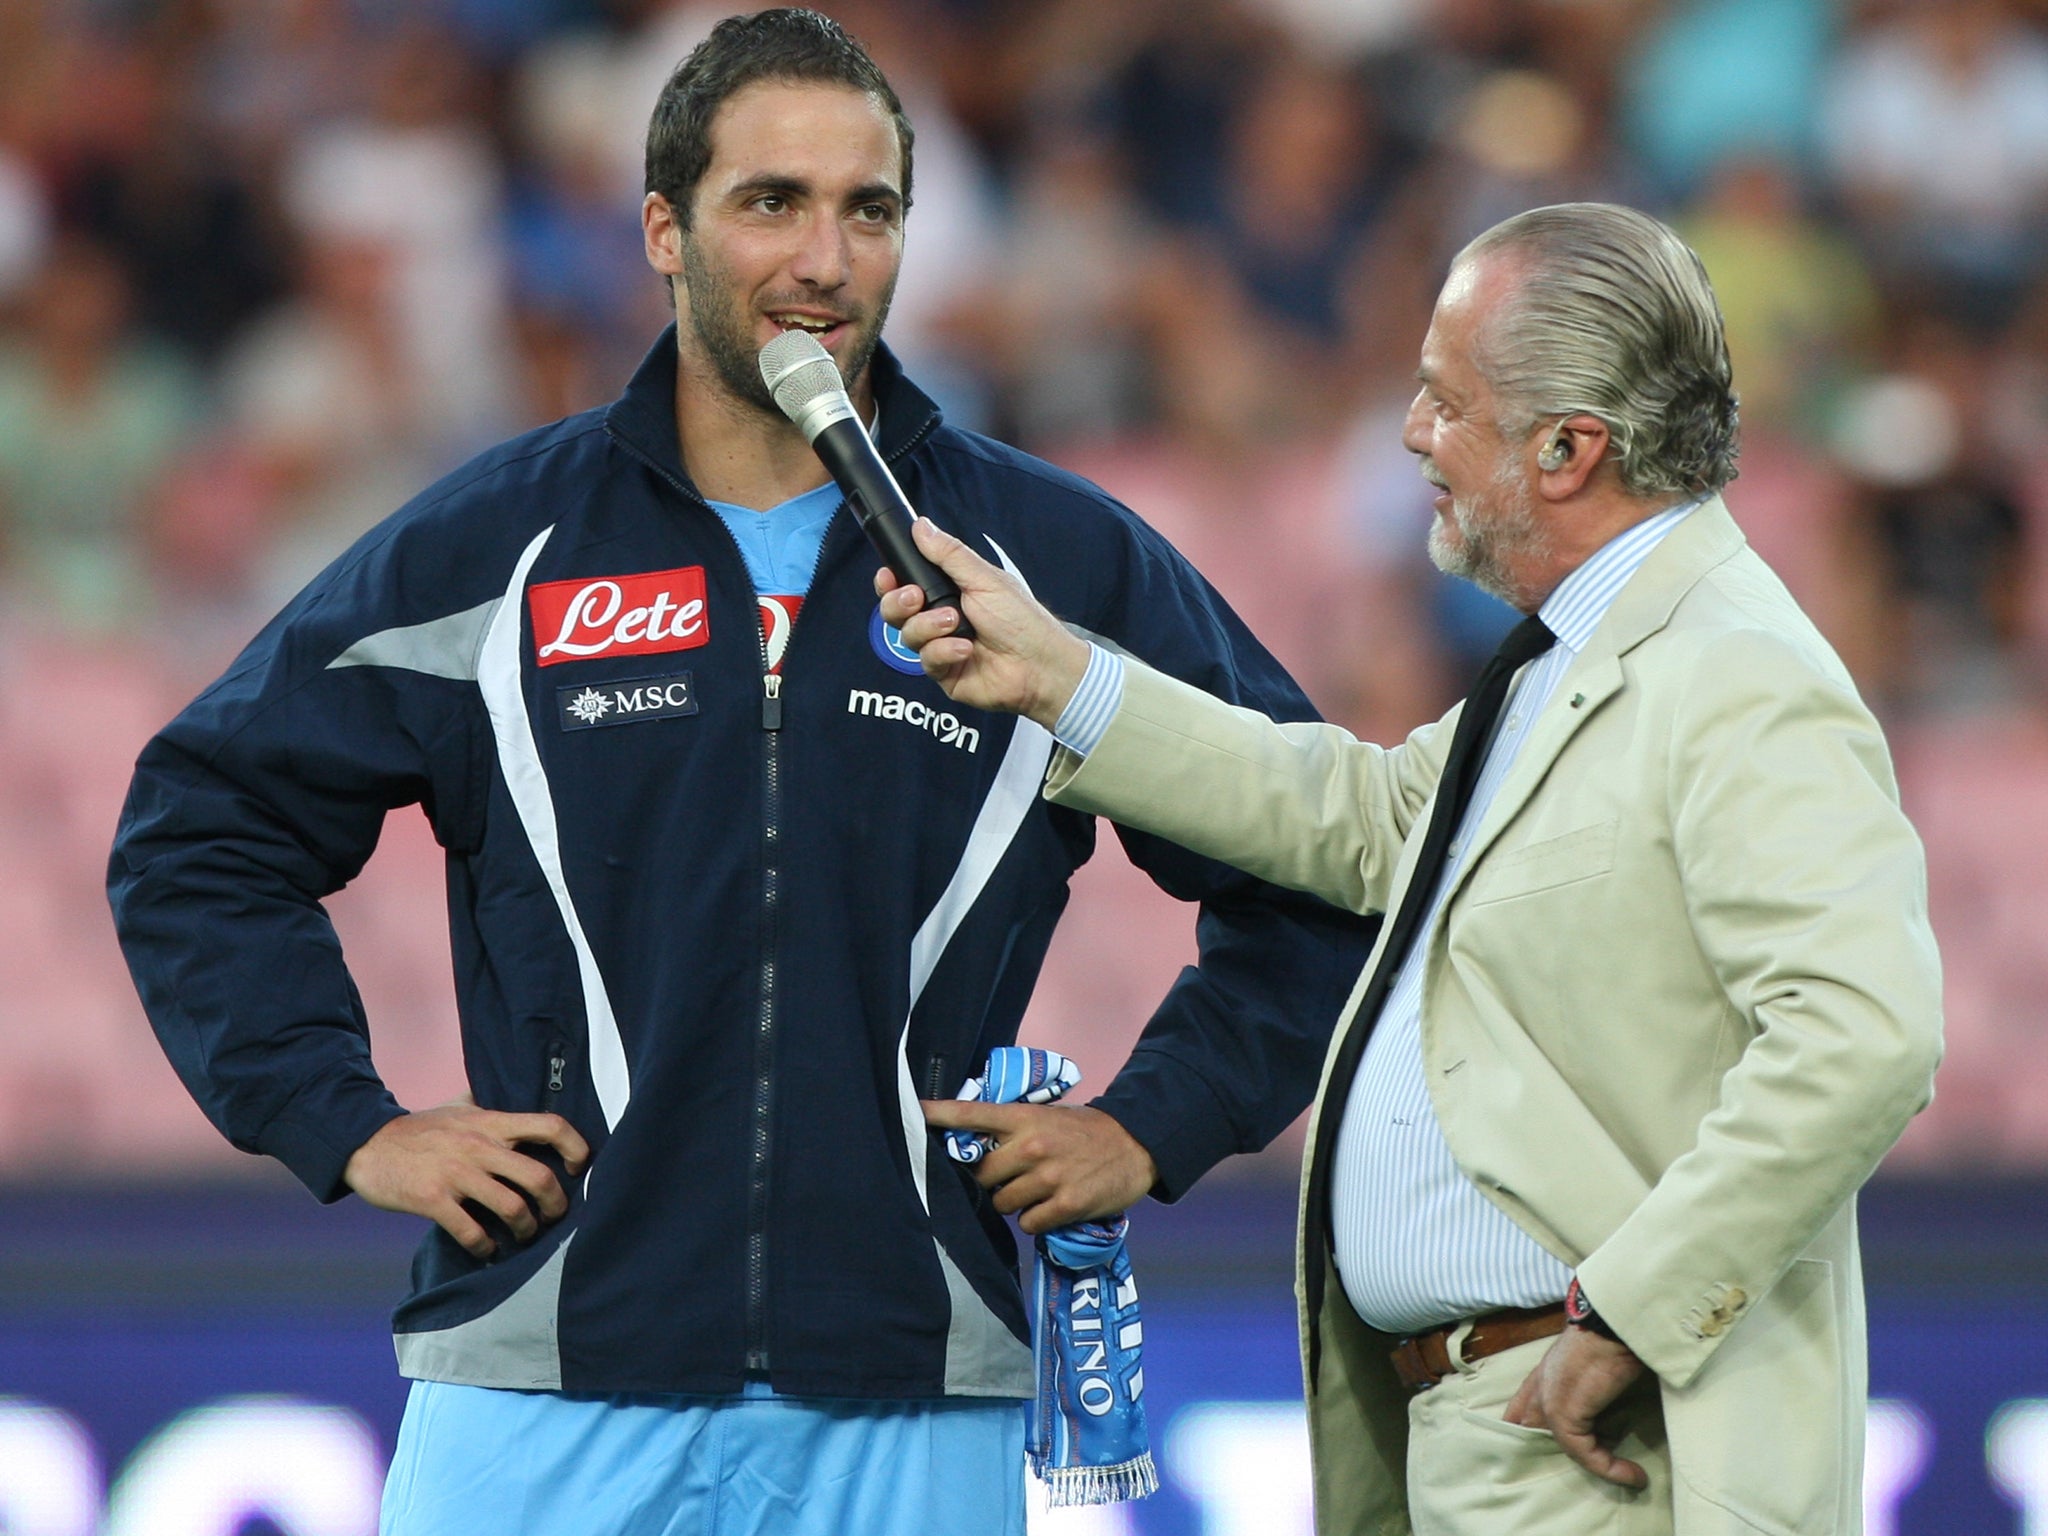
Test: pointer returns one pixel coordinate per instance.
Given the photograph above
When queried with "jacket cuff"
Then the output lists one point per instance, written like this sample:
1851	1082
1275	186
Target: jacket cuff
320	1128
1172	1112
1675	1343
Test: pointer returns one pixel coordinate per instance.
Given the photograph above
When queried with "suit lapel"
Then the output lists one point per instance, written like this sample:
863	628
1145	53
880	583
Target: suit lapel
1592	681
1642	608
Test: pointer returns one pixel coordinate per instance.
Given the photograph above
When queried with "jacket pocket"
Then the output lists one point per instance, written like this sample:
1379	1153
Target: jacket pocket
1581	855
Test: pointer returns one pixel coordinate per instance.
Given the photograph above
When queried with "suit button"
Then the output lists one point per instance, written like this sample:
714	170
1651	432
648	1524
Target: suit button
1724	1312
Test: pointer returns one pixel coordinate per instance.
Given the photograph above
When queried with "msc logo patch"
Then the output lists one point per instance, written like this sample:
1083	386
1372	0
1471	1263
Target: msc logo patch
584	706
887	641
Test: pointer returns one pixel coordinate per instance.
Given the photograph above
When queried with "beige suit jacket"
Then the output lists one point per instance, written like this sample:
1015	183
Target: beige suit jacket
1683	998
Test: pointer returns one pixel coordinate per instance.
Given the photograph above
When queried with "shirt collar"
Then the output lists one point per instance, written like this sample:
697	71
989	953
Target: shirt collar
1582	599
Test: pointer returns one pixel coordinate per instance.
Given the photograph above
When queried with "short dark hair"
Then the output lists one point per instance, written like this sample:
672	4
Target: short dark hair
784	45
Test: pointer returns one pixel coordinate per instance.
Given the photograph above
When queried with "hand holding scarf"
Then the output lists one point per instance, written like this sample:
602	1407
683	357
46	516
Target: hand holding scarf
1086	1438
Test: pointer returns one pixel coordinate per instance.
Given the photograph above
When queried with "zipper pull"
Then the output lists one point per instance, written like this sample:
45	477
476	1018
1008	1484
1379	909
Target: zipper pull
556	1065
771	701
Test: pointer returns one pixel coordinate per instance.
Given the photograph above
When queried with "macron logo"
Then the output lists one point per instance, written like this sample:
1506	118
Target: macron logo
942	724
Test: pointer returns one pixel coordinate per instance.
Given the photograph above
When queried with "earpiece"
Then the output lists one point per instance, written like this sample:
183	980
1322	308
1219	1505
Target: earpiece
1552	455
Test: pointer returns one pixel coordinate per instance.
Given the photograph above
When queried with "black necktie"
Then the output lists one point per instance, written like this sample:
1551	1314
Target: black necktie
1525	642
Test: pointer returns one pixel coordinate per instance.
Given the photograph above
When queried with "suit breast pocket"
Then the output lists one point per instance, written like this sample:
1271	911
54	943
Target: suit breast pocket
1584	854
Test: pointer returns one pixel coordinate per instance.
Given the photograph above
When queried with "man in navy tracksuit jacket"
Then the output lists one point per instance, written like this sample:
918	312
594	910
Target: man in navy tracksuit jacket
728	893
730	934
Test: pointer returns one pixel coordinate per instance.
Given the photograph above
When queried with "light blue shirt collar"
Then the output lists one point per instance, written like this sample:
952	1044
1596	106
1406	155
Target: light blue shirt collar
1582	599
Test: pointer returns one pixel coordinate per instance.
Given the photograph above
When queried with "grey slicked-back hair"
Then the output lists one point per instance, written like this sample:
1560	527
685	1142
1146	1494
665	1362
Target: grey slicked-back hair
1612	316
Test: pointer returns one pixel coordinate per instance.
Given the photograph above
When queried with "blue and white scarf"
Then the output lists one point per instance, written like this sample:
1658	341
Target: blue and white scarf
1086	1437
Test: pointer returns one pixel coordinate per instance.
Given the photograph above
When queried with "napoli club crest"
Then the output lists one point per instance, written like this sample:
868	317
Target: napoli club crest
887	641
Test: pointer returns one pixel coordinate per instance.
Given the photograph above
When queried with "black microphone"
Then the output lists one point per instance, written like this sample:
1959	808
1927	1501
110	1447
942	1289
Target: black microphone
805	382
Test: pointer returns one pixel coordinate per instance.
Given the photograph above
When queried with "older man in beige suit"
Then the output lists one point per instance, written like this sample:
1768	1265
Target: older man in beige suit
1657	989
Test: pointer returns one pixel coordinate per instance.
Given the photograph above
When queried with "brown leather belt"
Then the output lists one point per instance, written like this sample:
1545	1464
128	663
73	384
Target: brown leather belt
1424	1361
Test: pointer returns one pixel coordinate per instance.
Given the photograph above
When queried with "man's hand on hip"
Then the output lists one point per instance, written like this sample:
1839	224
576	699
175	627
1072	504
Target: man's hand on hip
429	1163
1577	1378
1021	660
1052	1164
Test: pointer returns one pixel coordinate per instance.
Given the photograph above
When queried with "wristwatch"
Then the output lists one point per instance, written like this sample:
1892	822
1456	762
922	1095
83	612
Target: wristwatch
1579	1313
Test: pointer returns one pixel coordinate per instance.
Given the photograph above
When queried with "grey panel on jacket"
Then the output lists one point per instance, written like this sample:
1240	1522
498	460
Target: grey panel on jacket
514	1345
983	1358
444	647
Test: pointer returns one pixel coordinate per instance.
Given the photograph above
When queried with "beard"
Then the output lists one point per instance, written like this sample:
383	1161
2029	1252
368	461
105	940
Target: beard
725	332
1485	542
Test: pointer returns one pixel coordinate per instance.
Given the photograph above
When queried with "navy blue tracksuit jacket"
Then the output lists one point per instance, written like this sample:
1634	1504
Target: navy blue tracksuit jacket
731	925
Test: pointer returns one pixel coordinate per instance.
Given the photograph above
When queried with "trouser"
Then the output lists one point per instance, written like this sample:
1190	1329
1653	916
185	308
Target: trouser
1471	1473
473	1461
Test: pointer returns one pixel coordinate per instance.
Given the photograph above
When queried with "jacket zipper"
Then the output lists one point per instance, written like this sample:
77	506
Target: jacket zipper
761	1135
558	1064
760	1139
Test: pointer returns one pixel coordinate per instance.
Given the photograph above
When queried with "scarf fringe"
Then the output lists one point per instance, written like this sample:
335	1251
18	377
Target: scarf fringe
1070	1487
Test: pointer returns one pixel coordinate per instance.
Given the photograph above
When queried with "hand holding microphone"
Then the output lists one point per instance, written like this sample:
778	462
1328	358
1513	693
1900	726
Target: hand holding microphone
1022	661
805	382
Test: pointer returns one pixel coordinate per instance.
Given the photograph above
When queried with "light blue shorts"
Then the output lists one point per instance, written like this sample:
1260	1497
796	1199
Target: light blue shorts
476	1461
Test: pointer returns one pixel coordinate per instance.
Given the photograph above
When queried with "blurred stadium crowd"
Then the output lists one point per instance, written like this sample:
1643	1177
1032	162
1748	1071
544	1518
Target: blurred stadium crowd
268	266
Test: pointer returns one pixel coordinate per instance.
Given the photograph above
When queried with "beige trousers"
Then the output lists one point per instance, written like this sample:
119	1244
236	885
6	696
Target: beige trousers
1471	1473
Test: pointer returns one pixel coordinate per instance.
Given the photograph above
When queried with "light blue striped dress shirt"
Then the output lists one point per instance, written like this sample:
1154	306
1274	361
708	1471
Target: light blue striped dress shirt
1094	703
1417	1244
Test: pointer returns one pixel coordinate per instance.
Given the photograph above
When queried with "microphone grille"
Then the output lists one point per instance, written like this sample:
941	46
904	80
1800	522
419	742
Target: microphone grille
797	370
